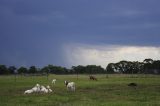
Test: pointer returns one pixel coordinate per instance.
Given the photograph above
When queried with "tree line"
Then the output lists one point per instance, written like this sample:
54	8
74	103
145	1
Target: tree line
51	69
148	66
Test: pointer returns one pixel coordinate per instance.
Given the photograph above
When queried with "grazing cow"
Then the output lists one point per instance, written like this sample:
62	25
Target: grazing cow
70	86
92	78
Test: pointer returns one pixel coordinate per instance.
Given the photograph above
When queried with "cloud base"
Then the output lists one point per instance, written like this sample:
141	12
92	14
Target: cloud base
83	54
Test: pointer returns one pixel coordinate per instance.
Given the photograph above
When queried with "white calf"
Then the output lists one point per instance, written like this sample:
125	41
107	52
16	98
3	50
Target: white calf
54	81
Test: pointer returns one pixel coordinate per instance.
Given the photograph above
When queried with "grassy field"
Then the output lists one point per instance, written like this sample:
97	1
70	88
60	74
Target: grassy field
111	91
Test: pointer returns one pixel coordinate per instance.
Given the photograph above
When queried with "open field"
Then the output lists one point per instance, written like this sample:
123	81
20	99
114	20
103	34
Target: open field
112	91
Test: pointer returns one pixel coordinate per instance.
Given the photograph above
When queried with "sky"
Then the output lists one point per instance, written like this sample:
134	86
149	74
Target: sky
78	32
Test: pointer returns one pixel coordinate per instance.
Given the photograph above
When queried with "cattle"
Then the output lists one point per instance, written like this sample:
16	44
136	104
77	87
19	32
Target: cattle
28	91
70	86
92	78
54	81
39	88
132	84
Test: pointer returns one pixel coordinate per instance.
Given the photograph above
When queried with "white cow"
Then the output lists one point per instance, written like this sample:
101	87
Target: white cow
44	90
36	88
70	86
39	88
28	91
49	89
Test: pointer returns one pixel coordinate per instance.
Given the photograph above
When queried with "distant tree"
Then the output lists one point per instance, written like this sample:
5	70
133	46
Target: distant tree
50	69
148	61
12	69
110	68
148	66
79	69
32	69
127	67
123	66
89	69
45	69
57	69
156	67
118	68
137	67
156	64
141	66
3	69
22	70
93	69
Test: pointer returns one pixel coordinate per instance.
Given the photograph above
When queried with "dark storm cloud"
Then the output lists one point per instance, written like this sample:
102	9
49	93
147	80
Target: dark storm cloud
34	32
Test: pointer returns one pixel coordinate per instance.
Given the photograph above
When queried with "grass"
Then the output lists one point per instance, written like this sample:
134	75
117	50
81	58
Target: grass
111	91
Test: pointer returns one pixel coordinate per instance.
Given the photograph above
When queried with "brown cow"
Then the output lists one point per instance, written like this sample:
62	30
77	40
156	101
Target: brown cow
92	78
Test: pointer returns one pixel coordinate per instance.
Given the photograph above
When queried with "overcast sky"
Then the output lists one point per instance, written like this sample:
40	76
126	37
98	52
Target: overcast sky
78	32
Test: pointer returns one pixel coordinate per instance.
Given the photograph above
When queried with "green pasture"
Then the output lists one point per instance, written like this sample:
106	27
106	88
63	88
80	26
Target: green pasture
111	90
